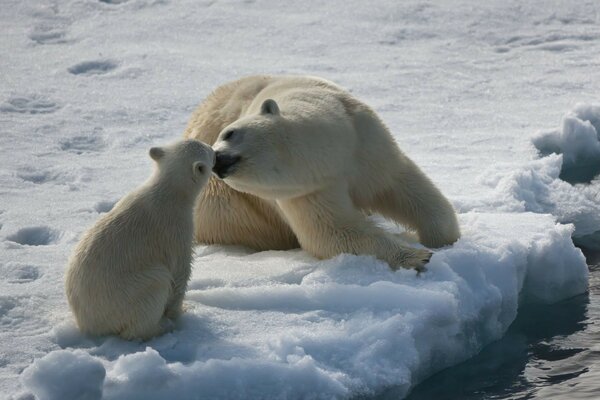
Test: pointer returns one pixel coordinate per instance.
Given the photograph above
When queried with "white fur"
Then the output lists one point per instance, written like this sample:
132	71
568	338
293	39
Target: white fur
314	161
130	270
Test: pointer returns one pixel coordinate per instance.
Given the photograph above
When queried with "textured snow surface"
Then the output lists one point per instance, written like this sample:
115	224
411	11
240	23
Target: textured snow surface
473	91
578	141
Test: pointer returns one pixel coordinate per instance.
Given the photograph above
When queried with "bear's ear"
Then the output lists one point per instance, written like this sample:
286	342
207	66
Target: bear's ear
269	107
156	153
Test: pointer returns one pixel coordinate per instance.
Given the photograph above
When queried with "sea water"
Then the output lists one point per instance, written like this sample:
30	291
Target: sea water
549	352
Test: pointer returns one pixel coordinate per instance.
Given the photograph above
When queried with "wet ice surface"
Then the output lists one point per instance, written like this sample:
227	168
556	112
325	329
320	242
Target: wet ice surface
550	351
482	96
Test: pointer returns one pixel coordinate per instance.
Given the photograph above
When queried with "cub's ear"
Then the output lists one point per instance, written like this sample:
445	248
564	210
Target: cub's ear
156	153
199	168
269	107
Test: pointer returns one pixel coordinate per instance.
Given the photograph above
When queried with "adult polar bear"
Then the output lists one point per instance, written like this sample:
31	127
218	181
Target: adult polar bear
303	162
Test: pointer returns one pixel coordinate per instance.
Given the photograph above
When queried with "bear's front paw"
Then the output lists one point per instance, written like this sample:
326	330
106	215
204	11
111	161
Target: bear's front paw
415	259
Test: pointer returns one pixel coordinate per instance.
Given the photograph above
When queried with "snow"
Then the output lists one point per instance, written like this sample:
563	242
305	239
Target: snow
284	325
46	378
473	93
578	141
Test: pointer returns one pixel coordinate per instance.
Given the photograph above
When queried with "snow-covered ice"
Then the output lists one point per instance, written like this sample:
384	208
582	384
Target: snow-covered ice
280	324
474	93
85	376
578	141
552	184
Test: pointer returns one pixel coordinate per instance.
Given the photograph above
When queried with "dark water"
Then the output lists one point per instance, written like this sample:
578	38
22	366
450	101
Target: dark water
549	352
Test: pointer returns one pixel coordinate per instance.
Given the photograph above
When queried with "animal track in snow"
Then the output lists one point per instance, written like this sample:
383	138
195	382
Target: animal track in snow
72	177
83	144
21	273
32	104
37	177
6	304
96	67
207	283
104	206
553	42
41	175
14	314
535	40
52	26
35	236
48	34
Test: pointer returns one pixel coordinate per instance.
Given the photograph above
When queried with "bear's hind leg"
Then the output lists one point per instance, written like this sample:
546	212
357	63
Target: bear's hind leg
145	307
328	224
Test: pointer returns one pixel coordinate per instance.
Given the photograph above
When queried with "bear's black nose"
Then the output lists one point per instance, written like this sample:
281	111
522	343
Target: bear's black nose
224	163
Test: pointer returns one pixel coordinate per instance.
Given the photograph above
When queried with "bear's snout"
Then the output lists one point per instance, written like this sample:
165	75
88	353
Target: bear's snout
224	163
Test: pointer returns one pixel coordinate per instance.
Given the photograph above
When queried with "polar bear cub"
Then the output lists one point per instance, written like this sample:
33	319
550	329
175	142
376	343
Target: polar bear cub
130	270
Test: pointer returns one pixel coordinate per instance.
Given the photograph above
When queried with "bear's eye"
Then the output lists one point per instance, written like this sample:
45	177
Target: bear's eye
228	135
200	168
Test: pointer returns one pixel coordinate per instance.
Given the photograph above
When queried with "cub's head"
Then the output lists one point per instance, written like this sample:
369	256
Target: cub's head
185	164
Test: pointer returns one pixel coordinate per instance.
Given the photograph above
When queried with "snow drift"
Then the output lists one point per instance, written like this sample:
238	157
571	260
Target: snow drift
578	140
552	184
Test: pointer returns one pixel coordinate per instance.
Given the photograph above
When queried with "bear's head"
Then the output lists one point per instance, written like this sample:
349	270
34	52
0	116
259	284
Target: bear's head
184	165
268	153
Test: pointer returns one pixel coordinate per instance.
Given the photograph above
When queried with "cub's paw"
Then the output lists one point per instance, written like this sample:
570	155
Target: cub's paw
186	307
173	313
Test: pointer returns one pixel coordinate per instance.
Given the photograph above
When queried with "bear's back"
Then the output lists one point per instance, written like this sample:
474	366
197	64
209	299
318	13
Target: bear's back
235	99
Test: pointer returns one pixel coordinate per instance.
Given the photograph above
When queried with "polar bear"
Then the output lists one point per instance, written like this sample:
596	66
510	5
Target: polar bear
303	162
131	268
